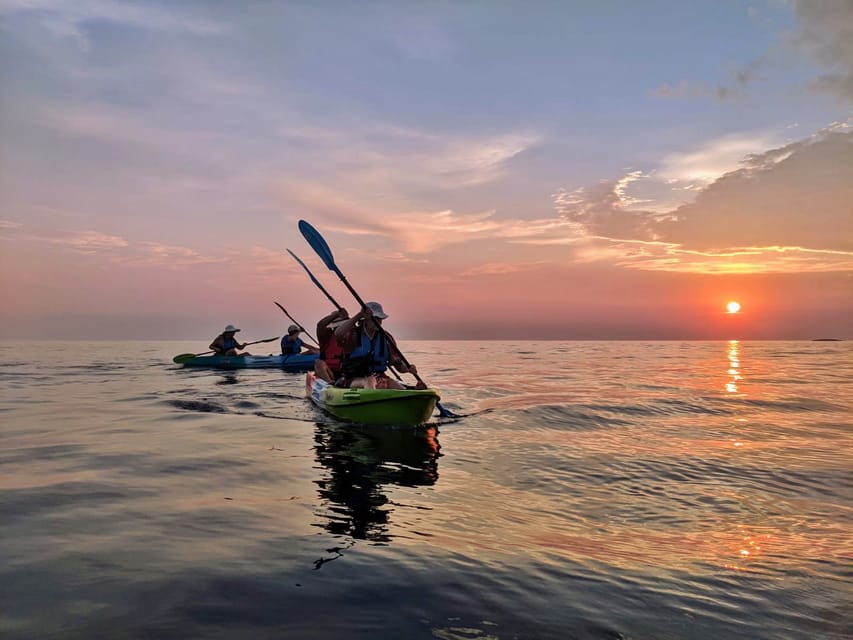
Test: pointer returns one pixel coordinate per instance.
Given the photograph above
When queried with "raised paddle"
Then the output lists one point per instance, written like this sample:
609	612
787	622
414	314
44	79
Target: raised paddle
305	331
328	295
321	247
314	280
183	357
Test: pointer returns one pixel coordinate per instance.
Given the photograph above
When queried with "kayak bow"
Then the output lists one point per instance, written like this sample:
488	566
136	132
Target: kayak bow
405	407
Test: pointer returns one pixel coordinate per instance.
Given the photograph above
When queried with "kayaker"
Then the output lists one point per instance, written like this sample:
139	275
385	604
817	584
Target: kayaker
367	353
225	344
328	365
292	344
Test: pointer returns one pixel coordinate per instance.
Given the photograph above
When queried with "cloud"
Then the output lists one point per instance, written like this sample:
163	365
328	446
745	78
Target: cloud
685	89
70	18
88	242
706	164
786	209
797	195
499	269
156	254
825	32
369	158
10	224
601	210
783	208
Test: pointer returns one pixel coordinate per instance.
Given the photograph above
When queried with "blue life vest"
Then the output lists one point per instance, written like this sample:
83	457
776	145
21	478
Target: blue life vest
228	344
369	356
291	345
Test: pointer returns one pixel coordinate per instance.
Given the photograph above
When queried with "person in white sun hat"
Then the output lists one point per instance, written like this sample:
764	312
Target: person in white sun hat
225	344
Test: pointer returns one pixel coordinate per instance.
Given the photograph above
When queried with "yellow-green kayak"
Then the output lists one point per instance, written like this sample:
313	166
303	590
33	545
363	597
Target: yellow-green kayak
406	407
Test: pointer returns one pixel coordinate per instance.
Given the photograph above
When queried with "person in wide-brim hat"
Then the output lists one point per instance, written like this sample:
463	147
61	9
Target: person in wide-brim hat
225	344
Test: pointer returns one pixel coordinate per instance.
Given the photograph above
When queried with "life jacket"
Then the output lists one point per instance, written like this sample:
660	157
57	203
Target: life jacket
332	354
369	356
290	346
228	344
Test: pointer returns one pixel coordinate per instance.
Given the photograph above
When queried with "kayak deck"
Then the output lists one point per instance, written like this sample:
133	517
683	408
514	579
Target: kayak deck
405	407
295	363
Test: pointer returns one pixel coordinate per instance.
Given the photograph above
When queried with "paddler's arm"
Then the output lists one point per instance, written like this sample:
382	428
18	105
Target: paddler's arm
344	334
396	359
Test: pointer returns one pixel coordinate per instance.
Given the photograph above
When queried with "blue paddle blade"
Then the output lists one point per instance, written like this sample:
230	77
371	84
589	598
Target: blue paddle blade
318	244
444	412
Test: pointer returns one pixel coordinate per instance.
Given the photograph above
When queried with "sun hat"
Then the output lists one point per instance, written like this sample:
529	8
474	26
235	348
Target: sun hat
293	328
376	308
231	329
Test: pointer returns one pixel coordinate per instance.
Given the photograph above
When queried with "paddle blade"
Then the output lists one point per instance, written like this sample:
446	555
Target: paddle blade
444	412
182	358
318	244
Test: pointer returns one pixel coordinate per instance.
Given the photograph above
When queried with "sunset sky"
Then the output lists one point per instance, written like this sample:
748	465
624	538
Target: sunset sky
507	169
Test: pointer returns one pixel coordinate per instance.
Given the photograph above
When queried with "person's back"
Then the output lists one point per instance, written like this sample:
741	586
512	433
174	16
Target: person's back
292	344
328	364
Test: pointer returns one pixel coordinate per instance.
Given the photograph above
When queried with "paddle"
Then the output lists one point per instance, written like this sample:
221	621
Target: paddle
296	323
328	295
314	280
183	357
321	247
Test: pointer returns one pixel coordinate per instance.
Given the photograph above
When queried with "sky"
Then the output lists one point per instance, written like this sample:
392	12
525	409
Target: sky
519	170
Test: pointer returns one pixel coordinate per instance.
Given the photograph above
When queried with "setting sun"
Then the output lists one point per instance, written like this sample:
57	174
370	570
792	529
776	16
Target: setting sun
733	307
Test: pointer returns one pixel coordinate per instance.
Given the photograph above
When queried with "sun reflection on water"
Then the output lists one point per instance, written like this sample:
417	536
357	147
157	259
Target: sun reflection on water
734	366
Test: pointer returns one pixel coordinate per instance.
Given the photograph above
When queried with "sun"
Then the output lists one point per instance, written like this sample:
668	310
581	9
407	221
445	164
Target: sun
733	307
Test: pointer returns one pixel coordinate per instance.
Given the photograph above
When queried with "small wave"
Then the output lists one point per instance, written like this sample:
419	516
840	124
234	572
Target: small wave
660	407
202	406
560	415
805	405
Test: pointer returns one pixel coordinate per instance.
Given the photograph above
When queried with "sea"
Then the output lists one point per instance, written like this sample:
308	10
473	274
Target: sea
601	490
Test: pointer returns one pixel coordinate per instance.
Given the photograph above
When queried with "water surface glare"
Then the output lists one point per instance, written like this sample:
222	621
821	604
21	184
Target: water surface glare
643	490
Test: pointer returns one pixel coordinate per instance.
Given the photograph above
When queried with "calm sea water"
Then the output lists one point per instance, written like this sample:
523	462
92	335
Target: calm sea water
595	490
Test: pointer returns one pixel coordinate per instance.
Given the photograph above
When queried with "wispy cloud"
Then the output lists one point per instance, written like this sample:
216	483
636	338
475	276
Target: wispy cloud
716	158
499	268
88	242
69	18
172	256
825	32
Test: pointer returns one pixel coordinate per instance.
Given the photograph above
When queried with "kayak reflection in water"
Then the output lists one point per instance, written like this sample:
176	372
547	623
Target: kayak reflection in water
369	351
225	344
360	464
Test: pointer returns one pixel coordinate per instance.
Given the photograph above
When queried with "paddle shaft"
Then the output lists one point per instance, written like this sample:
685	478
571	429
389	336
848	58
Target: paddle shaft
296	323
332	300
321	248
187	356
314	280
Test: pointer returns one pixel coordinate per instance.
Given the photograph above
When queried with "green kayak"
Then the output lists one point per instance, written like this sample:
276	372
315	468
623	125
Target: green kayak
406	407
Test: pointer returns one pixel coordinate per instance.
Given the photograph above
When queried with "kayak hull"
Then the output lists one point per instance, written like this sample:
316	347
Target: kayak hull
406	407
295	363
